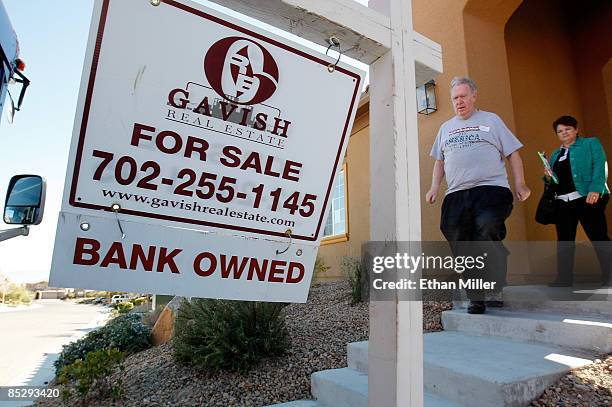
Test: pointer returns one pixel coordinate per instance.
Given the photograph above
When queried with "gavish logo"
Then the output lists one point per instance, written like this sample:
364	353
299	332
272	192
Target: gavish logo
241	70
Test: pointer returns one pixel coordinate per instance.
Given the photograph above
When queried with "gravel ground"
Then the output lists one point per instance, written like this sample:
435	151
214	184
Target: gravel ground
589	386
319	330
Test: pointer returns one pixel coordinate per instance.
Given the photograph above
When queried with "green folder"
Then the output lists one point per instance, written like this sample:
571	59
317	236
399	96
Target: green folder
547	166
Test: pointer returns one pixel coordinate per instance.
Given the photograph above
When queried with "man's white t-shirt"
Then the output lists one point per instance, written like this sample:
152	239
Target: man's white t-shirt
473	151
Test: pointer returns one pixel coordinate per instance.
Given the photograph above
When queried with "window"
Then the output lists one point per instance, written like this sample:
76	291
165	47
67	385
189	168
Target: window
336	220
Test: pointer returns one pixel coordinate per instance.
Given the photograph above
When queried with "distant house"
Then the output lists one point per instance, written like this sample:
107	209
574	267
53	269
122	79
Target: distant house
41	285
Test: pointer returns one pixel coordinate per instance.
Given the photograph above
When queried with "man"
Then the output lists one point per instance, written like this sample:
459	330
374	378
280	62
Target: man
469	150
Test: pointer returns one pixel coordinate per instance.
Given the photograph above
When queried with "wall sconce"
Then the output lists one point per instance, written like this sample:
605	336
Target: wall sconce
426	98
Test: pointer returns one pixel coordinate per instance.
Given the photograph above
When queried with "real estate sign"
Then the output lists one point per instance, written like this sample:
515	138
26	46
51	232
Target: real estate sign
192	121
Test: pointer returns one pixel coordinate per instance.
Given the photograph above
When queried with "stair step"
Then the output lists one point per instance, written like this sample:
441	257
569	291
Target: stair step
298	403
591	333
340	387
348	387
541	298
357	356
495	371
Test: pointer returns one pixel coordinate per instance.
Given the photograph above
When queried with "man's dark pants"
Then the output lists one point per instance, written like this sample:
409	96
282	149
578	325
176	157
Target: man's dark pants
473	221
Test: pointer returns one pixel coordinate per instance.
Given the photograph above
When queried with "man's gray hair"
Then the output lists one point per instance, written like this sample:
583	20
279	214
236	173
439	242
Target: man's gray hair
464	80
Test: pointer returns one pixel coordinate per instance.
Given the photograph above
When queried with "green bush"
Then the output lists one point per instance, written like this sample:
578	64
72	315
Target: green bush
320	266
139	301
17	295
95	368
124	307
228	335
351	268
126	333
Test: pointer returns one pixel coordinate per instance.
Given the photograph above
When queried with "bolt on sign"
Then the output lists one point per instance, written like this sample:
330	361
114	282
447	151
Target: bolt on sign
198	133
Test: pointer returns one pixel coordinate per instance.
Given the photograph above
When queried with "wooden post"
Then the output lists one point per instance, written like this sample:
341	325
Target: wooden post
396	334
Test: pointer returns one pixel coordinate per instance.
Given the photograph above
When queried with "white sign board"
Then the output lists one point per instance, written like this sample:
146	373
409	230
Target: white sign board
188	118
197	119
165	260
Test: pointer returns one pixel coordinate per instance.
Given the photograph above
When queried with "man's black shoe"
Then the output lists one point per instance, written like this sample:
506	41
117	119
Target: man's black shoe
476	307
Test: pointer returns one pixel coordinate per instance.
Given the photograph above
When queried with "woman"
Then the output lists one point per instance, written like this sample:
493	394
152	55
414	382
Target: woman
582	194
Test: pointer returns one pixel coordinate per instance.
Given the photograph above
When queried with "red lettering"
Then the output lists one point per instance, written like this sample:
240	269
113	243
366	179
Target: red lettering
138	254
80	250
224	111
197	264
196	145
292	167
253	162
203	107
274	270
284	127
245	116
260	121
293	266
255	268
115	255
232	153
178	142
182	101
166	258
137	133
268	170
232	266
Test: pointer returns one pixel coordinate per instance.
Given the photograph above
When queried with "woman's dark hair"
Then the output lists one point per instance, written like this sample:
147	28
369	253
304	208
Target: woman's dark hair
566	121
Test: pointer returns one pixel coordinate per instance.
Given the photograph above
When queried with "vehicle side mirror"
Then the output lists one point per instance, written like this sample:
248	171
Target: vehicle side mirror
25	200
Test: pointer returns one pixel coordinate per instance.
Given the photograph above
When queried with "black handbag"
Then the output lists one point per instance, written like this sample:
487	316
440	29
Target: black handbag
546	213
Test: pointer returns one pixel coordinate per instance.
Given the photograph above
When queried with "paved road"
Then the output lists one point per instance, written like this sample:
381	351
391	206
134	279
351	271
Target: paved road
30	339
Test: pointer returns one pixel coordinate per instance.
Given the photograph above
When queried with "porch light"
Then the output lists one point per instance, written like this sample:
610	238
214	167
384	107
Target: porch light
426	98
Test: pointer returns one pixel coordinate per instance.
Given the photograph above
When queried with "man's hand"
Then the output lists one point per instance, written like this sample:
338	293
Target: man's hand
522	192
430	196
592	198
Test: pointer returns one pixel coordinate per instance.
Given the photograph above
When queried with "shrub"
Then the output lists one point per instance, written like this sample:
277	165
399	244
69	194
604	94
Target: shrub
228	335
17	295
320	266
126	333
124	307
351	268
139	301
95	368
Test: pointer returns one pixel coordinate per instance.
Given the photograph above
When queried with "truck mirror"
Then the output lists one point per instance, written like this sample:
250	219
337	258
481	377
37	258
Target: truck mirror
25	200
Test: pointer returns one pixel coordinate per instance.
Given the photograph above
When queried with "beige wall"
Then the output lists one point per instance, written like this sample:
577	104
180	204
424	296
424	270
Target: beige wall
556	57
544	87
357	179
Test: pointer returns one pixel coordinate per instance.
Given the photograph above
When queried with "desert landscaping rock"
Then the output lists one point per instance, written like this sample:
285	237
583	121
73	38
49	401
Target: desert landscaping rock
589	386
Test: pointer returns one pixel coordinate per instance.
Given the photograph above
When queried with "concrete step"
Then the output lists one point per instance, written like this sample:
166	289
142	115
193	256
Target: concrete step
357	356
340	387
430	401
495	371
501	367
589	333
349	388
546	299
298	403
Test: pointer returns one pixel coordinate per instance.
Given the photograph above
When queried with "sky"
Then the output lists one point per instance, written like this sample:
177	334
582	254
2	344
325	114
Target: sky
53	38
